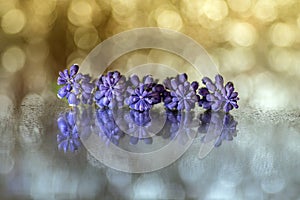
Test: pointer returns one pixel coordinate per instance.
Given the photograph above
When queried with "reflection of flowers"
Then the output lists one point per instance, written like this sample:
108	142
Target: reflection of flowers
139	124
172	124
106	127
140	119
68	138
76	86
223	124
216	96
180	126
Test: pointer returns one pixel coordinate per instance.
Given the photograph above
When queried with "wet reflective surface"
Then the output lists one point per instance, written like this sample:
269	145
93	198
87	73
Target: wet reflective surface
254	155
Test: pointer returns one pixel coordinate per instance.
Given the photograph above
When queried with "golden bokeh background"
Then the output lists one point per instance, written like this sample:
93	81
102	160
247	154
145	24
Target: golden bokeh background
254	43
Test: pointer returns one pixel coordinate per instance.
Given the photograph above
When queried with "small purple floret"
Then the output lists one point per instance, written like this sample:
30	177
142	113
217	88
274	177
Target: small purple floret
110	90
76	87
180	94
216	96
143	94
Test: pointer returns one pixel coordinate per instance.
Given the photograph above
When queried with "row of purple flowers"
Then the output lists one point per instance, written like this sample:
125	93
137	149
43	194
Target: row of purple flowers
177	93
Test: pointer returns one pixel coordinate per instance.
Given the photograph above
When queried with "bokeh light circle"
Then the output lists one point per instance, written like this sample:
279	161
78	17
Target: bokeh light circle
80	13
265	10
239	5
86	37
242	34
13	21
13	59
282	35
215	9
169	19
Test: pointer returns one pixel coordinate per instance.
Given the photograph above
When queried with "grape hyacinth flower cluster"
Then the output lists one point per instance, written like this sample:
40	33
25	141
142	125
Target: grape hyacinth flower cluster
143	94
110	90
177	93
76	86
180	94
68	138
216	96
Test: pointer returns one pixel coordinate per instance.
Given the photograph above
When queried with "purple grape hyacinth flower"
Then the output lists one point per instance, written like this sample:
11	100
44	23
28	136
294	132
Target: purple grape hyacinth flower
143	95
110	90
216	96
85	89
68	138
180	94
140	99
76	86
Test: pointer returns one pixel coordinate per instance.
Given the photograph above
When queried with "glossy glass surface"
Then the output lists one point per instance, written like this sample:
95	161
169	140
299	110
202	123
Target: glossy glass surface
259	161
